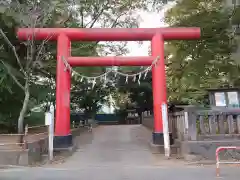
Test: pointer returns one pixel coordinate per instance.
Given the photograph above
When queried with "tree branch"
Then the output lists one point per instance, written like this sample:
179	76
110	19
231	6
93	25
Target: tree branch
14	51
96	17
82	17
13	77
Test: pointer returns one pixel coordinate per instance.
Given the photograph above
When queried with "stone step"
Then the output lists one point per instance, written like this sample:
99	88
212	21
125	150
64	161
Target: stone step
159	149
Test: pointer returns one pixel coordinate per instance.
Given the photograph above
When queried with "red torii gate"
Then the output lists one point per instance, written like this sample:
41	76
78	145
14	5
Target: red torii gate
64	36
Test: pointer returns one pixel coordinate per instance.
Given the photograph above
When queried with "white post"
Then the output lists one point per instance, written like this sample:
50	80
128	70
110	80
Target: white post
52	111
165	130
185	122
50	122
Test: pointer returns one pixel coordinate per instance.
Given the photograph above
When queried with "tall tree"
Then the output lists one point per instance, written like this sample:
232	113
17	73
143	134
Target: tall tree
194	66
27	55
31	64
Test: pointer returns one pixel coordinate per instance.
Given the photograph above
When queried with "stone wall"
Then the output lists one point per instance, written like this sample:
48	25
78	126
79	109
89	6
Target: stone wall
77	131
202	150
19	156
14	157
35	152
148	122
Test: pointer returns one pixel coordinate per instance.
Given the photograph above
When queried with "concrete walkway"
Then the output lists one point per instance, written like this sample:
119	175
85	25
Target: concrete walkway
119	152
117	145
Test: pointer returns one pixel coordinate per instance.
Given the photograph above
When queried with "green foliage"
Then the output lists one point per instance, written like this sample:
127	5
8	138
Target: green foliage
236	16
35	119
41	69
194	66
122	114
137	96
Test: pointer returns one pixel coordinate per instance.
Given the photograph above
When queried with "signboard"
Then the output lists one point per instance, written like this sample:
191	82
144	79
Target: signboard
220	99
48	118
233	99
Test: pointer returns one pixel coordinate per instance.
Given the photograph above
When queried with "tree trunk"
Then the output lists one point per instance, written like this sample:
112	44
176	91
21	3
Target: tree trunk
23	110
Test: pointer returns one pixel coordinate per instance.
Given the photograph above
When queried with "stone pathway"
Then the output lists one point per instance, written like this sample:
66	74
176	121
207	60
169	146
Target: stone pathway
118	152
117	145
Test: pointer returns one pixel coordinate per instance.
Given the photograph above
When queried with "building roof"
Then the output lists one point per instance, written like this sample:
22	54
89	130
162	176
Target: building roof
223	89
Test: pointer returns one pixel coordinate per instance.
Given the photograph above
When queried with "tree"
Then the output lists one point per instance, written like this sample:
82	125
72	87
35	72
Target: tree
26	65
194	66
135	94
27	55
31	64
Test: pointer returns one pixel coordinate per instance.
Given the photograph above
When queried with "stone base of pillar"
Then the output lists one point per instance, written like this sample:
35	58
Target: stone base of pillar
157	138
63	142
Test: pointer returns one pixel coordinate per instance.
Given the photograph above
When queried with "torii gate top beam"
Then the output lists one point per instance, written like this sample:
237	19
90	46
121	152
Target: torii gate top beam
109	34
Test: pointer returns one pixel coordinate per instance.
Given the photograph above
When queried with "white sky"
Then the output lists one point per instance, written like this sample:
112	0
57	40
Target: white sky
149	20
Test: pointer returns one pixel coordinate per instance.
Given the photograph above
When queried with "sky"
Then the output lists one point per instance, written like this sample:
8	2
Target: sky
149	20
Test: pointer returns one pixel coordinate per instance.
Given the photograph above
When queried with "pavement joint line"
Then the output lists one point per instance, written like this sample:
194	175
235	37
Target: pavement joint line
95	167
83	168
10	166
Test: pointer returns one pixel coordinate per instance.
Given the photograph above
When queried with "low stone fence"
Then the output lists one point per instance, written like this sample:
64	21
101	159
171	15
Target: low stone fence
33	149
10	149
198	132
147	120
